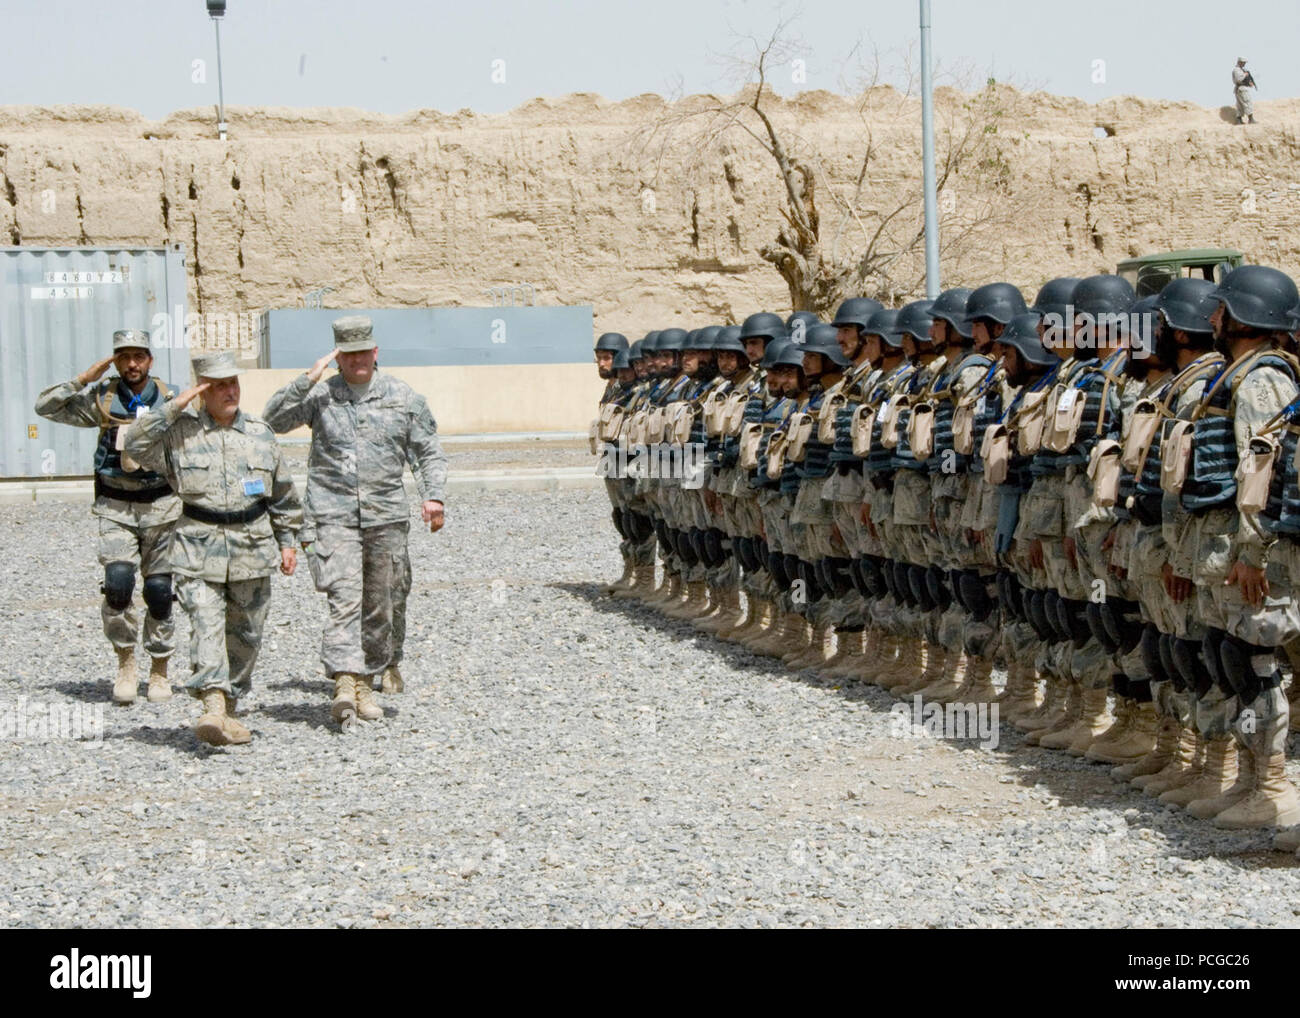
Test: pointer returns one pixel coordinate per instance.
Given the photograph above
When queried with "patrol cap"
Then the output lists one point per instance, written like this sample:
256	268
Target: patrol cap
130	339
220	364
353	334
1022	334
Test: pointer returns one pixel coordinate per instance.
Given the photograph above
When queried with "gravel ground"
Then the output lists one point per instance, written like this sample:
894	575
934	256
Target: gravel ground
558	759
487	455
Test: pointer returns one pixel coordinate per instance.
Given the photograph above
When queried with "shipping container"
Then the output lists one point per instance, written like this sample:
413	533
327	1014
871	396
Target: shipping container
59	308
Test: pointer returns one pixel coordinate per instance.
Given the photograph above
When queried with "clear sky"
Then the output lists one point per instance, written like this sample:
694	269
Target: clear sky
396	55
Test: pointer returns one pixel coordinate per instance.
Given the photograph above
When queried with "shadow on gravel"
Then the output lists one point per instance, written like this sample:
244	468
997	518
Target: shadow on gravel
91	692
179	738
1072	781
314	715
315	686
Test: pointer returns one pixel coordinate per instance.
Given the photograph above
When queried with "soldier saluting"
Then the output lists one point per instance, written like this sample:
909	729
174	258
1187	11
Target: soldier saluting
366	426
134	506
240	516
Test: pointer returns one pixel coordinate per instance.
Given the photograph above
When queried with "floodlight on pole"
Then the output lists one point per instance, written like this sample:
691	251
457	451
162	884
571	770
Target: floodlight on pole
216	11
927	160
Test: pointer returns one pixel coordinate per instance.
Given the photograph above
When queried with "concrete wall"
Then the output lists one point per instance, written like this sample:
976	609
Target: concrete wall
478	399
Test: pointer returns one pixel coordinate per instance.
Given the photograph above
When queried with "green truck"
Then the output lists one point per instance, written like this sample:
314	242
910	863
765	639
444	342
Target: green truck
1150	273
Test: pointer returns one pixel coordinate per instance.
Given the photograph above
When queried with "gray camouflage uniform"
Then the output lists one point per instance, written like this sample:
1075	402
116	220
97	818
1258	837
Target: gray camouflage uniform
358	504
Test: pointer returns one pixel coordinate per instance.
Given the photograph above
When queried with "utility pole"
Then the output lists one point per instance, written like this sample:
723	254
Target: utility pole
216	11
927	160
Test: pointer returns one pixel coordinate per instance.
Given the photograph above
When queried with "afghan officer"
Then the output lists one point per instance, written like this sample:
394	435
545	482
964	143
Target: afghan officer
135	507
366	426
608	346
239	519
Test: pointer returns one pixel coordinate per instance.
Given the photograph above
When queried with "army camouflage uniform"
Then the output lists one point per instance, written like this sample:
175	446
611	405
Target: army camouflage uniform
135	508
232	474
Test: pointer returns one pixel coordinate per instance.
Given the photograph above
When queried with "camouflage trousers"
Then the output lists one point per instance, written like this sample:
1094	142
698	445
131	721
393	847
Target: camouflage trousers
146	548
366	576
226	621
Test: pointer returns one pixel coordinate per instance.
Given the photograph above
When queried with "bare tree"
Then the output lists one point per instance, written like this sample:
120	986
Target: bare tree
846	235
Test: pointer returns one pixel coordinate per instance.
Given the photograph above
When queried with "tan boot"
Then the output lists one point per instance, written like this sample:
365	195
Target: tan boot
978	685
760	616
1183	769
669	589
815	656
235	731
1166	738
930	668
1093	721
847	657
1180	757
1240	763
623	581
126	685
344	708
1070	708
1047	712
1020	697
729	612
1217	776
160	689
869	657
1273	801
211	726
892	647
1138	740
906	668
696	604
678	593
392	680
368	708
642	585
1118	730
1287	839
801	642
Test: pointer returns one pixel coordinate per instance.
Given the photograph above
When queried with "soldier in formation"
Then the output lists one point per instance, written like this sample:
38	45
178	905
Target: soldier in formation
1094	498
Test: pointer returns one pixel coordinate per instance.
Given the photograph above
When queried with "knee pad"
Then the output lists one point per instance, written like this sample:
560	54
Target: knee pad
1249	669
1190	664
858	579
873	574
1151	659
1123	622
619	525
812	584
662	535
688	547
645	526
1074	617
776	566
1036	612
1119	683
792	568
936	582
890	581
1096	625
920	591
1052	613
1170	664
743	549
716	541
1139	690
954	584
119	582
157	594
975	595
903	586
841	574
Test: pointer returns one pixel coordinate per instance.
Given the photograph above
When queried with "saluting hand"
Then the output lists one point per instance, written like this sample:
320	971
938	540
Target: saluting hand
186	397
318	369
94	372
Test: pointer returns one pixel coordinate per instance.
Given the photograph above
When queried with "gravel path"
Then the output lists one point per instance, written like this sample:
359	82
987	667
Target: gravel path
558	760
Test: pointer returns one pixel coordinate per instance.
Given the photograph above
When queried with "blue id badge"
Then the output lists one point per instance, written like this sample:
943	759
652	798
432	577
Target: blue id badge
254	486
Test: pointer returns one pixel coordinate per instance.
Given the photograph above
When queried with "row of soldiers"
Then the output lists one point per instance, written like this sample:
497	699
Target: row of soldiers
1097	494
